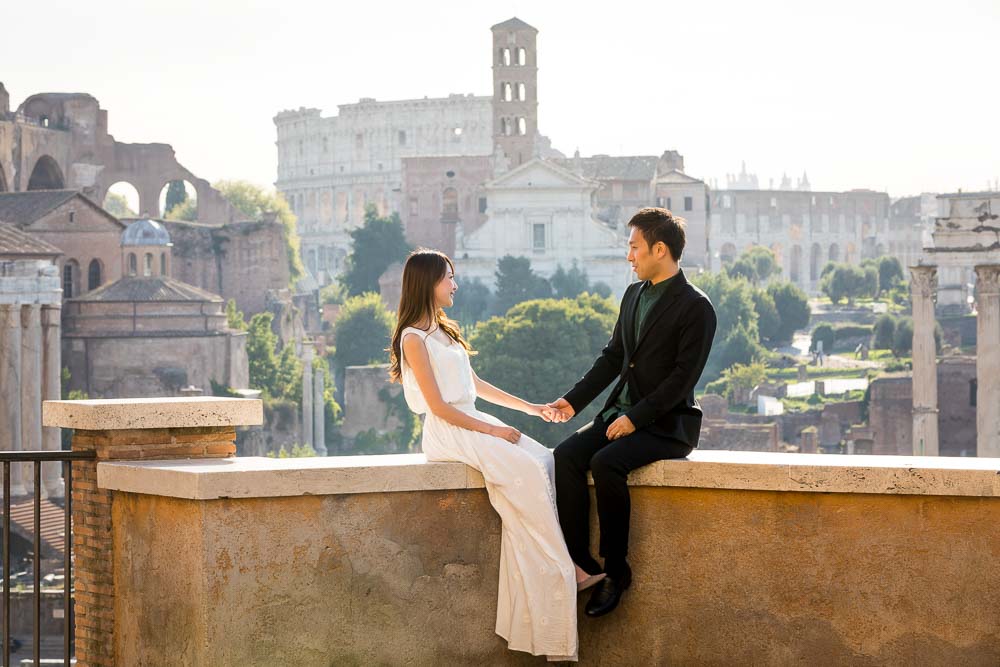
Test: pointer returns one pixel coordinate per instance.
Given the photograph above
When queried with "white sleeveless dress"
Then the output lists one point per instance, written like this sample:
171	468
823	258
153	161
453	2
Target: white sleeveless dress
536	605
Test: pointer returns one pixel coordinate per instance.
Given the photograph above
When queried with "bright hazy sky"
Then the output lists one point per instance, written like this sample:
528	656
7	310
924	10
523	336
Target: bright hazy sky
901	96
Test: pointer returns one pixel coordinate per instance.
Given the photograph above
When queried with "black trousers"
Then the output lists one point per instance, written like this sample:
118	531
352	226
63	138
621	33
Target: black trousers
610	462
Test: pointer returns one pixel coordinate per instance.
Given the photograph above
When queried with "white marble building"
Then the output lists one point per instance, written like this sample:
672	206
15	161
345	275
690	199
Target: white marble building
545	213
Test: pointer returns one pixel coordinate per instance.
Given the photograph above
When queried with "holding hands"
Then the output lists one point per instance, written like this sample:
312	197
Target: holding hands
558	411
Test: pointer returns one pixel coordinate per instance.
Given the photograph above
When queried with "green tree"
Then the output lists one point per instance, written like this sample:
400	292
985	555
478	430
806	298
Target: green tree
262	343
757	264
362	332
176	195
569	284
539	351
849	282
333	293
186	211
825	333
117	205
473	302
737	337
902	337
890	273
793	309
256	203
375	246
234	317
884	331
743	377
517	282
768	320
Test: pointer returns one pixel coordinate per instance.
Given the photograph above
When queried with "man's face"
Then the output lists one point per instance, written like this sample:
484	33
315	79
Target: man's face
644	260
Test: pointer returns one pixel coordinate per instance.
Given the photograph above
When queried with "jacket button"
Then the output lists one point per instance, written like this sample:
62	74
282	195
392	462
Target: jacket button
631	364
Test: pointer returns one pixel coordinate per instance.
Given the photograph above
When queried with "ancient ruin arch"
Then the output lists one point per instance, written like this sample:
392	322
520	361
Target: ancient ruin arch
177	192
815	257
795	263
113	205
46	175
834	255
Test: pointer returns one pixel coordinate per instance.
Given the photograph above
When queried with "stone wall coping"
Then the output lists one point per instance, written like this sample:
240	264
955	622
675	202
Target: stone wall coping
256	477
145	413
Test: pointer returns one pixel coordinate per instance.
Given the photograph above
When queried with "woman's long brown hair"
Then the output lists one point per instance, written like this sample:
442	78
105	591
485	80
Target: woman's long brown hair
423	270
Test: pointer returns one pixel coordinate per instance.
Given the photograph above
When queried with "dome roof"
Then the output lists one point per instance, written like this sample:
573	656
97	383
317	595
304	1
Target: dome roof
145	233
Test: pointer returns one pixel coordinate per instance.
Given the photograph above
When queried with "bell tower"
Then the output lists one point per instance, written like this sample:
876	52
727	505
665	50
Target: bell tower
515	89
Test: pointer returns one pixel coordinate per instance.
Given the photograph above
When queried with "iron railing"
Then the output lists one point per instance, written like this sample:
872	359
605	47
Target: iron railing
37	458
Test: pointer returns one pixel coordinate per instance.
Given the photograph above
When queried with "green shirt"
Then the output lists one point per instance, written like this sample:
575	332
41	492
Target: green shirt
648	297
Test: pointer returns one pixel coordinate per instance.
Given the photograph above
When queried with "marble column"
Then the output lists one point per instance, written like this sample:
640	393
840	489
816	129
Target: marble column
10	389
52	391
988	360
319	410
923	282
307	394
31	386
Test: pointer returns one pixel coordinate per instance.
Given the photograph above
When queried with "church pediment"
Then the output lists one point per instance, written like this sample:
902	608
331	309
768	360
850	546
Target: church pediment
539	173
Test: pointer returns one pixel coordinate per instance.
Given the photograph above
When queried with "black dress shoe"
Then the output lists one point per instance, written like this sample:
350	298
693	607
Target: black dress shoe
607	594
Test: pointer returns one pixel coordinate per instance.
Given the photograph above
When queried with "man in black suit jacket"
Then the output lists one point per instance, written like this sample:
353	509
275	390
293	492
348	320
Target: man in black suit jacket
655	356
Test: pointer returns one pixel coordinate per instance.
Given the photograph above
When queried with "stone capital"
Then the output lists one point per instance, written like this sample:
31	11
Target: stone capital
923	281
988	278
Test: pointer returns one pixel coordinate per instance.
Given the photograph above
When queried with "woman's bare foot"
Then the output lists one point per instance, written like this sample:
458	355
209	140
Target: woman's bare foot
585	581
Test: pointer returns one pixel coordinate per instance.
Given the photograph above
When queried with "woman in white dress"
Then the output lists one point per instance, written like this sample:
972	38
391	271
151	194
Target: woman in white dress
536	606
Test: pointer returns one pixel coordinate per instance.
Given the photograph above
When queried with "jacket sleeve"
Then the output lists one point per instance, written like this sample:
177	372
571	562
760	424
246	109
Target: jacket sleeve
695	343
606	368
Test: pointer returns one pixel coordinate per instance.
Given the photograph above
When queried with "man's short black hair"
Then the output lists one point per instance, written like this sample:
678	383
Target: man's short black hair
660	225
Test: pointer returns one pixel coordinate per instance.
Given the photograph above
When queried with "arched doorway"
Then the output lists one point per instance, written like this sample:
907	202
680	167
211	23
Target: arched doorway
834	252
46	175
449	205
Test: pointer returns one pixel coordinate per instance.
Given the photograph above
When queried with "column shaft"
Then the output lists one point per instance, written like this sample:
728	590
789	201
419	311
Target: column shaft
10	389
31	385
925	399
52	391
319	422
988	360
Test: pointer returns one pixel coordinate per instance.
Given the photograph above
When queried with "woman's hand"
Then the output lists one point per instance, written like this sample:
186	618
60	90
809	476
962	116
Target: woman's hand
511	435
542	411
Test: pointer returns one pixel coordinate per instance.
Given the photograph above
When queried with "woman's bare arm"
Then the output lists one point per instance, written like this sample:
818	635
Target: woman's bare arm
420	363
497	396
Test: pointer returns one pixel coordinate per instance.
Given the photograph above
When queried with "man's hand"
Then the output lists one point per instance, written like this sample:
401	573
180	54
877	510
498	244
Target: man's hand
620	427
563	410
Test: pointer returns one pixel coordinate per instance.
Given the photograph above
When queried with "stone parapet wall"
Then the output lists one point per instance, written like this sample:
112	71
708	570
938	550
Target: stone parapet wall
739	558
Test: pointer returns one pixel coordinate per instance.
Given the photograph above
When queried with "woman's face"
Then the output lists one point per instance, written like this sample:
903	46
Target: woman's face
444	291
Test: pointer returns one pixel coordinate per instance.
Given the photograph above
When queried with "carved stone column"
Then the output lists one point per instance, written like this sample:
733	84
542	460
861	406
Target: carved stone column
988	360
923	283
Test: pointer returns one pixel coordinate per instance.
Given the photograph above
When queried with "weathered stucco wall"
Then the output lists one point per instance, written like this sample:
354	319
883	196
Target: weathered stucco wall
410	577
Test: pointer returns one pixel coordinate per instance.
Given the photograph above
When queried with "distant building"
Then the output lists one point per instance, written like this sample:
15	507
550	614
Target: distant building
147	334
